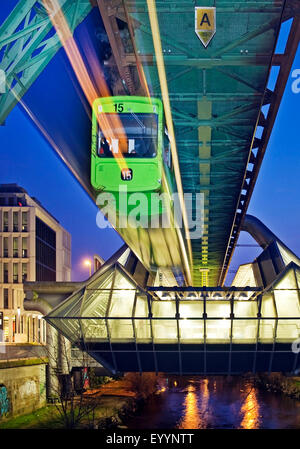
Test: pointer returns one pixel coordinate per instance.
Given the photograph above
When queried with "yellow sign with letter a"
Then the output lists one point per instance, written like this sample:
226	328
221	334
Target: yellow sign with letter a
205	24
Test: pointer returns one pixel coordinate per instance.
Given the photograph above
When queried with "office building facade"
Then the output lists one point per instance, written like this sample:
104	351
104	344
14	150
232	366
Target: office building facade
33	247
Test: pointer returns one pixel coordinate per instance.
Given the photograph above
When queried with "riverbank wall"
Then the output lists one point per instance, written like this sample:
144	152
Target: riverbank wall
22	387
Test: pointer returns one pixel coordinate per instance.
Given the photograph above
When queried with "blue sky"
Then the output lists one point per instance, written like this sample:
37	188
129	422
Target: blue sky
27	159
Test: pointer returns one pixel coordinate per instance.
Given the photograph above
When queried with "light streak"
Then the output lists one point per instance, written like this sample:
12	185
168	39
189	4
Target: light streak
108	123
167	108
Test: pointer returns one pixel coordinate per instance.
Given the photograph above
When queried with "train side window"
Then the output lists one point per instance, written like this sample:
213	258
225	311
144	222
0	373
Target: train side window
167	150
104	147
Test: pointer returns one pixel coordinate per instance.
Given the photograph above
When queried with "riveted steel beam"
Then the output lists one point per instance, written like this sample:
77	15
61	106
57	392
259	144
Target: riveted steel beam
290	51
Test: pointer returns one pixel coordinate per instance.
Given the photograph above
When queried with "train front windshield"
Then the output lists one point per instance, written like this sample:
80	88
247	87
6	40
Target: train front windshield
136	136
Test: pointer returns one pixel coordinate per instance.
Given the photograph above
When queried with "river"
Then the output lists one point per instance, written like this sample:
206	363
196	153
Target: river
216	403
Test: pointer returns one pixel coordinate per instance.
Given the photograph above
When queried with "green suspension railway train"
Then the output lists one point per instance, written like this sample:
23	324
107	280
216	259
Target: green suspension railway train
131	152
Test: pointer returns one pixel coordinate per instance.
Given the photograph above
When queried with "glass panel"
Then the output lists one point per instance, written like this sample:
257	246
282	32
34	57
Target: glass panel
288	330
97	295
137	137
245	309
103	281
5	247
218	331
5	221
15	221
164	331
120	330
122	297
267	306
266	331
244	331
124	257
69	328
15	272
190	309
191	331
143	331
24	221
96	303
163	309
218	308
15	247
94	329
5	273
70	307
287	301
244	276
5	298
24	247
24	272
297	272
141	308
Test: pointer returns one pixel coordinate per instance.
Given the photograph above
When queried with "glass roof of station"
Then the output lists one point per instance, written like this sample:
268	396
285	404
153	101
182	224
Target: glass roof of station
113	308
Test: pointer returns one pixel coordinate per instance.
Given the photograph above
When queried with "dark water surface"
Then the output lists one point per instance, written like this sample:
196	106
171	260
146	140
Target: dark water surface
216	403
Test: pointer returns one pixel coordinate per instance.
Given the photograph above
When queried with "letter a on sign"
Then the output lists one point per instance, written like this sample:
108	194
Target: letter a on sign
205	24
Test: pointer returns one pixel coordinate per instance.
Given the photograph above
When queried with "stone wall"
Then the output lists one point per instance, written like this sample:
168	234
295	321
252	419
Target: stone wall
22	389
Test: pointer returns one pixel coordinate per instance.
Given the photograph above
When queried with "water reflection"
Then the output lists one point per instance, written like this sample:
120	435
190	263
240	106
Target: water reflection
250	410
216	403
191	418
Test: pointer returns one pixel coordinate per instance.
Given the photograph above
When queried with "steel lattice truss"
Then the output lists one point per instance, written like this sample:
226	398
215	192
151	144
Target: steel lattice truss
28	42
217	96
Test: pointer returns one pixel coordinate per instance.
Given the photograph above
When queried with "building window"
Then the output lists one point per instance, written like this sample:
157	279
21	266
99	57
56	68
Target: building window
24	221
5	298
45	252
24	272
24	247
15	273
15	221
5	246
15	247
6	329
5	221
5	273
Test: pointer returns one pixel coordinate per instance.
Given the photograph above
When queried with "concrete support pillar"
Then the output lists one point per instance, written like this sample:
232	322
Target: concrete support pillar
52	385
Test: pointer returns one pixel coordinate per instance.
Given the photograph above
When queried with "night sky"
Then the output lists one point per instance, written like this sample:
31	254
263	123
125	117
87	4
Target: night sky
27	158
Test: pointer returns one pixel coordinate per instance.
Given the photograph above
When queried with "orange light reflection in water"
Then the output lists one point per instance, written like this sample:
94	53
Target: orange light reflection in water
195	412
250	410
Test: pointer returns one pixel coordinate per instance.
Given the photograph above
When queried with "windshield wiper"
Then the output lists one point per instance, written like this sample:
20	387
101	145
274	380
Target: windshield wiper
137	119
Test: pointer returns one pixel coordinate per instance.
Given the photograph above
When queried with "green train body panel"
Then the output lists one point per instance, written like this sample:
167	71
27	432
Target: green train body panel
147	172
